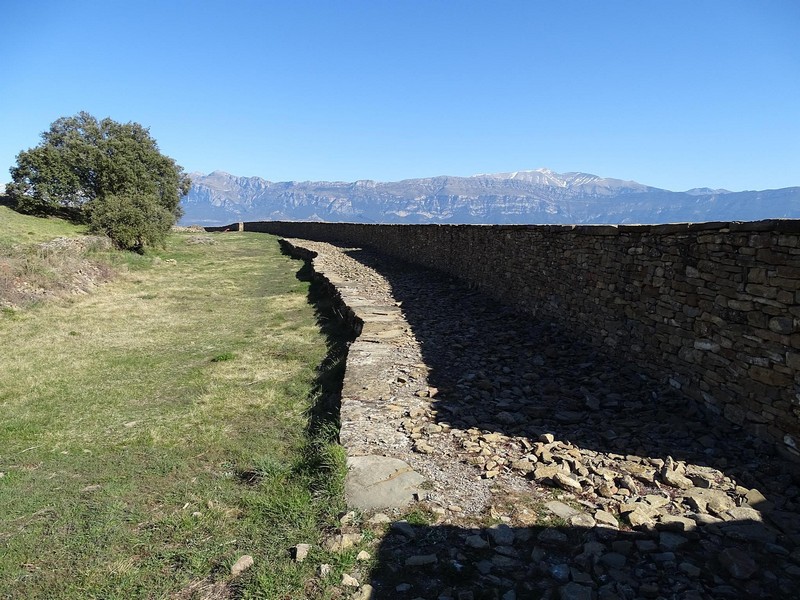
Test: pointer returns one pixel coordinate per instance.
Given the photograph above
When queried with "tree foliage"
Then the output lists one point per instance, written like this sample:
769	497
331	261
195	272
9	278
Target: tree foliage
133	221
107	174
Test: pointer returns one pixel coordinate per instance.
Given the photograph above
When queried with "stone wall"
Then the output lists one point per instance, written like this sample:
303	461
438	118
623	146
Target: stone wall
711	308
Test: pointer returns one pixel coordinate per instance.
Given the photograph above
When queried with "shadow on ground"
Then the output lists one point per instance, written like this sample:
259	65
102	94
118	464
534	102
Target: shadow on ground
339	332
500	371
497	371
570	562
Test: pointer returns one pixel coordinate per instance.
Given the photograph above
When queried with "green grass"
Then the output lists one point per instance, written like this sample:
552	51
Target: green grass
16	228
138	459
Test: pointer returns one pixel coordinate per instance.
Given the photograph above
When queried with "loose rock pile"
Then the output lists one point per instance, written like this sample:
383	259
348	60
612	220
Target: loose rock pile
552	471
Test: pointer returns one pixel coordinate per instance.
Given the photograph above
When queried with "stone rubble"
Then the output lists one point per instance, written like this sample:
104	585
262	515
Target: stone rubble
301	552
551	471
241	565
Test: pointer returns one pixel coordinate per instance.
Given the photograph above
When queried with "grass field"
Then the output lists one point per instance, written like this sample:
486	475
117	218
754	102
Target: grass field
16	228
155	431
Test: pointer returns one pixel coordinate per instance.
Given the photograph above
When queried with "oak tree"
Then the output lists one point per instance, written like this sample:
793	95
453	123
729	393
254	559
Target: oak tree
109	175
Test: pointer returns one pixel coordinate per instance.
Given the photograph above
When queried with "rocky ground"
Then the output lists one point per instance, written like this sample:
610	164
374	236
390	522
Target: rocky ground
547	469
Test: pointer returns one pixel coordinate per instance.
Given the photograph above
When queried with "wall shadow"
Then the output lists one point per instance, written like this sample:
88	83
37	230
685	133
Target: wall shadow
339	331
496	370
571	562
499	371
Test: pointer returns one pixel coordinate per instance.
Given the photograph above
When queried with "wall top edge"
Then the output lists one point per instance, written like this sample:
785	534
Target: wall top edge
766	225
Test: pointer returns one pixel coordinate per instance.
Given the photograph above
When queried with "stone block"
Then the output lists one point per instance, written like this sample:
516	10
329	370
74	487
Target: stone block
762	291
788	271
380	482
785	283
790	226
744	305
757	319
707	345
785	325
769	376
759	240
715	360
772	257
757	275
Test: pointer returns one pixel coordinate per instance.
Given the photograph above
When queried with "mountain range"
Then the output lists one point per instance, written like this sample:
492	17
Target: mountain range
538	196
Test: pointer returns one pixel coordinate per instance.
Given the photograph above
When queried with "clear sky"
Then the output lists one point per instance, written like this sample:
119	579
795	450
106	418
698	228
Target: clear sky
675	94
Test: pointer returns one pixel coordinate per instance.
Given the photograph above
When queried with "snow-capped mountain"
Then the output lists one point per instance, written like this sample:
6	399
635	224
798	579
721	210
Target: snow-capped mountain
538	196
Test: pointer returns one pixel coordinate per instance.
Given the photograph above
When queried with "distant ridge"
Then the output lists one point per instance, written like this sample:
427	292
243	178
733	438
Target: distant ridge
538	196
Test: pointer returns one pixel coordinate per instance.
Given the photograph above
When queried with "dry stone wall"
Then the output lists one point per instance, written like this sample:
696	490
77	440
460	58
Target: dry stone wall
712	308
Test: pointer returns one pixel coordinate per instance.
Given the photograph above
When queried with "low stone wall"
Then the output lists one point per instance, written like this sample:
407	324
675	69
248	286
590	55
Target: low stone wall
232	227
712	308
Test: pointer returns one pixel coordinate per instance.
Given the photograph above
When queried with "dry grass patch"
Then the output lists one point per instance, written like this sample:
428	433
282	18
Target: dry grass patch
42	259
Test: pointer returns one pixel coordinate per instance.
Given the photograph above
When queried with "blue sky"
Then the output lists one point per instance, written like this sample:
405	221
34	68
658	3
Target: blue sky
669	93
